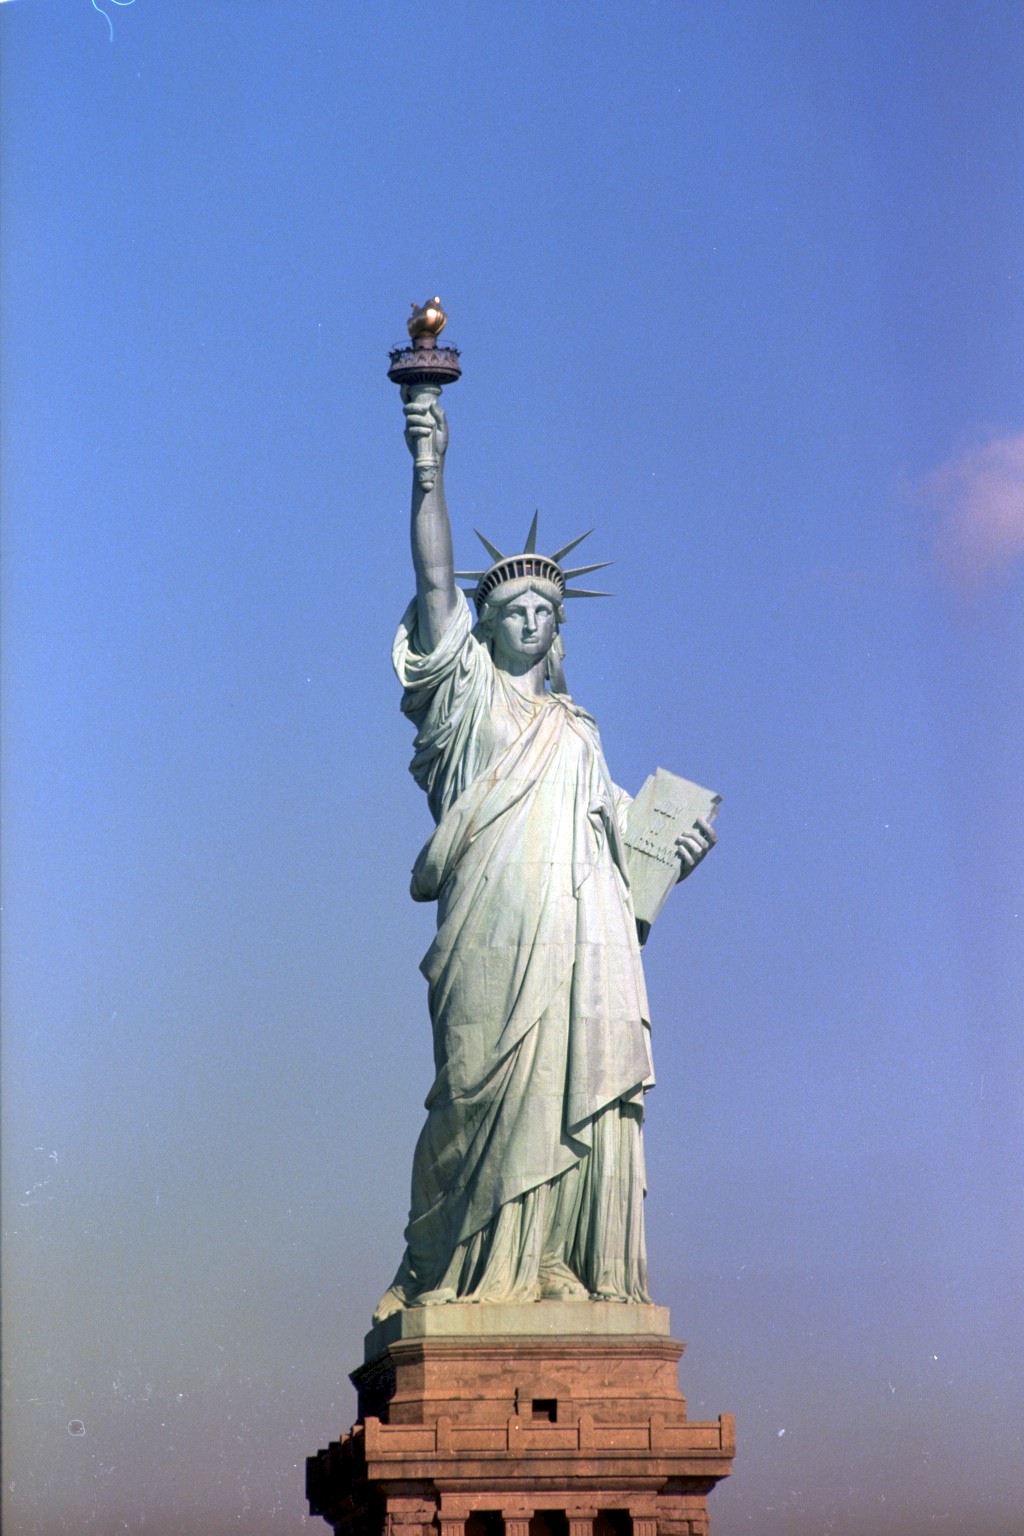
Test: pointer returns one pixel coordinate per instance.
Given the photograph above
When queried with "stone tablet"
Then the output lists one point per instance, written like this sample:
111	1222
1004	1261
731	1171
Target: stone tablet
666	807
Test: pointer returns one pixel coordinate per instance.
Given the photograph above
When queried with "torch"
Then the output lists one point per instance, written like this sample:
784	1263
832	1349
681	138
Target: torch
422	370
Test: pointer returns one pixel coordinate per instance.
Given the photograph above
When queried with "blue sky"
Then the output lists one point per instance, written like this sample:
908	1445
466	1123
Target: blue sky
739	285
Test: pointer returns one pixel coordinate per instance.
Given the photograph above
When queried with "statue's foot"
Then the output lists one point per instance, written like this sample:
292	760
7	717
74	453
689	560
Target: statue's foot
558	1283
436	1298
638	1299
392	1301
559	1292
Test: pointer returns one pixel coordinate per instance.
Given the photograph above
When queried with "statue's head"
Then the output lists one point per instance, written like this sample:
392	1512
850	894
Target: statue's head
520	620
522	617
519	600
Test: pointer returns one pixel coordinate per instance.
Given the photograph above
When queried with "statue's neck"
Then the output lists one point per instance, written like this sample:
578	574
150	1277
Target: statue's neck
529	677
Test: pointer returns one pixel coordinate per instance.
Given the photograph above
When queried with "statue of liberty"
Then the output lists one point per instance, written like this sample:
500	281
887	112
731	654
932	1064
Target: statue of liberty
528	1176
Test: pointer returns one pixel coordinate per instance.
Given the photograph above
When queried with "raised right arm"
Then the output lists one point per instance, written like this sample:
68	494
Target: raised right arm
436	593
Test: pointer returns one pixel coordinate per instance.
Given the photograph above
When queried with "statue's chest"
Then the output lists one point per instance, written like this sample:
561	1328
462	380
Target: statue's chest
541	738
504	720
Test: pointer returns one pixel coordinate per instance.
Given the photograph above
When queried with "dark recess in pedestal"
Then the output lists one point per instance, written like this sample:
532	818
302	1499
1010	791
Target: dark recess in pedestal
613	1522
549	1522
485	1522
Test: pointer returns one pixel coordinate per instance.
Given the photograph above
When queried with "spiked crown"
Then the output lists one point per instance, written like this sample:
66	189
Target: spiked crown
529	565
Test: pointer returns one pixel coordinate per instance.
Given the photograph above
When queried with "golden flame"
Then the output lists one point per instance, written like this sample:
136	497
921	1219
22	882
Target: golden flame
428	319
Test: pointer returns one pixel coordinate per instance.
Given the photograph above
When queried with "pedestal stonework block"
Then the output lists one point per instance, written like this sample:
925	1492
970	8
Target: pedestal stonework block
547	1419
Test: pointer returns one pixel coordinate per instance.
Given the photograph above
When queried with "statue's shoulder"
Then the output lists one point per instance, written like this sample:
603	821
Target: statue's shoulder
577	711
409	651
458	674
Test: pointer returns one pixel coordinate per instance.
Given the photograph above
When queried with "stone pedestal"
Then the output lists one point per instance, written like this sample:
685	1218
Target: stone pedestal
547	1419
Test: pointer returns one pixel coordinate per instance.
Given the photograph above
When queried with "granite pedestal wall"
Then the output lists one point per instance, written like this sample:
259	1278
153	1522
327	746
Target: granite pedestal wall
546	1419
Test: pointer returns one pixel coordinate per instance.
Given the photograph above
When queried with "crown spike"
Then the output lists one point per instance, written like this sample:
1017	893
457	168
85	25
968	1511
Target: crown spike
567	549
529	564
491	549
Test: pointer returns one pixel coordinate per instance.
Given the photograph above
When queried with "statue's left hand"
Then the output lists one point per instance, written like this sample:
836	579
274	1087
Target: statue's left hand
694	846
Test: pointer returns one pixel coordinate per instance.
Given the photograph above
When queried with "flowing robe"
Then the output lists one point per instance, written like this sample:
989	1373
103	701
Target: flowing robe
530	1165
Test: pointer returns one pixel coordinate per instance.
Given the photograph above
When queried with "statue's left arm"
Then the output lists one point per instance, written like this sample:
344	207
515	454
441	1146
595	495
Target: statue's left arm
694	846
691	847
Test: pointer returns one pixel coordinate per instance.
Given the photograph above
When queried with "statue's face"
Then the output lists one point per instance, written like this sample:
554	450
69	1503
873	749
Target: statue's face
524	629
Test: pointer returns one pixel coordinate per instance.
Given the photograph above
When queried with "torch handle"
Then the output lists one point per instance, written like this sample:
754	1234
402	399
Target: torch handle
425	461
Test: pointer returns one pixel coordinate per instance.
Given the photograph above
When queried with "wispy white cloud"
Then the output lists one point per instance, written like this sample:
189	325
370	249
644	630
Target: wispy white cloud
976	498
